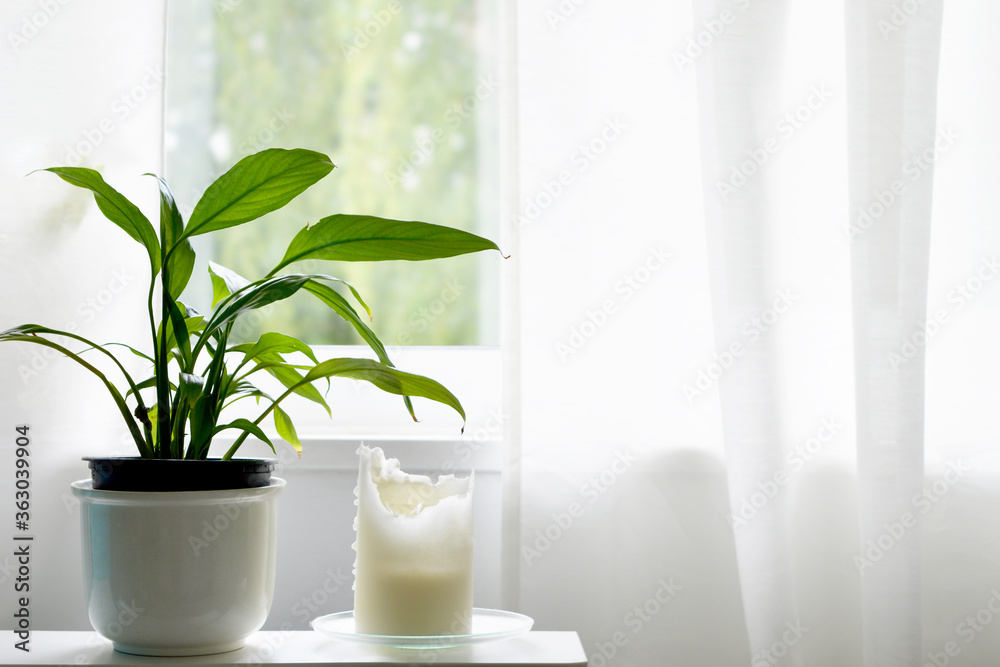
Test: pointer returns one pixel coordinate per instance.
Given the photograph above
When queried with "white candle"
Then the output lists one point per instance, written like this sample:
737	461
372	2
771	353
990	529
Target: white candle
413	568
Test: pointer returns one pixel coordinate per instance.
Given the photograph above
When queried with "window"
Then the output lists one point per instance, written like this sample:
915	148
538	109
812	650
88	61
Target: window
403	98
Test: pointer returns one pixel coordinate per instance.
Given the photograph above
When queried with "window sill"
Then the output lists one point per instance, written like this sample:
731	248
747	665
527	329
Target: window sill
422	454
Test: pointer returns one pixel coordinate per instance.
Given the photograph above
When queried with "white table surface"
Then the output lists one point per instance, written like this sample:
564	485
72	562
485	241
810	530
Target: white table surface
301	649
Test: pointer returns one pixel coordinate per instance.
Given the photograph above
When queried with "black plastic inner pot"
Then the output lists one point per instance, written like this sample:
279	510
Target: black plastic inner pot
138	474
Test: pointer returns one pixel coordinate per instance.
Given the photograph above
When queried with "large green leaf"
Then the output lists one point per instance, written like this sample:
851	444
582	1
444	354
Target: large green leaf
179	254
365	238
256	185
386	378
115	208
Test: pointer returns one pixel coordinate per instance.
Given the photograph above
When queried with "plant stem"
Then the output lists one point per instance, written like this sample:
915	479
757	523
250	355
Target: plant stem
163	412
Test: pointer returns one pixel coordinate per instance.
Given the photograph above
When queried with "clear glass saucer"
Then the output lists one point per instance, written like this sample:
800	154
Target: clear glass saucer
487	625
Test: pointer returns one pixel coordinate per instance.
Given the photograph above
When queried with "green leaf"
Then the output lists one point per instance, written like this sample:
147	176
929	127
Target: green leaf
154	434
180	267
247	390
286	429
255	295
343	308
349	286
171	222
192	324
388	379
256	185
203	418
292	379
340	305
189	389
147	384
177	332
34	332
275	342
224	282
179	254
365	238
246	426
115	208
141	355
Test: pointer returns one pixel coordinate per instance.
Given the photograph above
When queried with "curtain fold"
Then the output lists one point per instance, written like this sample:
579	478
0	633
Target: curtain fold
891	123
739	100
892	103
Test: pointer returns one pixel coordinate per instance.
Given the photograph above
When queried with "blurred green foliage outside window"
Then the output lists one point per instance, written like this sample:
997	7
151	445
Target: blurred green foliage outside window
402	95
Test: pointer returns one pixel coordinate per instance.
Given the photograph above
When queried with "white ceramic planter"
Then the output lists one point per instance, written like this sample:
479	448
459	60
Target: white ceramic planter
178	573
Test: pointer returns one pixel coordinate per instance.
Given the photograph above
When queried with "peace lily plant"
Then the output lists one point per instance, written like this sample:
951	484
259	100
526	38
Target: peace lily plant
195	370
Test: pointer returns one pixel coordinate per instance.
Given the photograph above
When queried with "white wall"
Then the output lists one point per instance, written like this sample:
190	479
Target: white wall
77	78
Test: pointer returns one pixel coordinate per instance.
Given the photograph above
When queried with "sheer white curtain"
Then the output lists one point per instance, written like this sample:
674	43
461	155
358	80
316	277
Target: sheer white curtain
776	446
81	86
